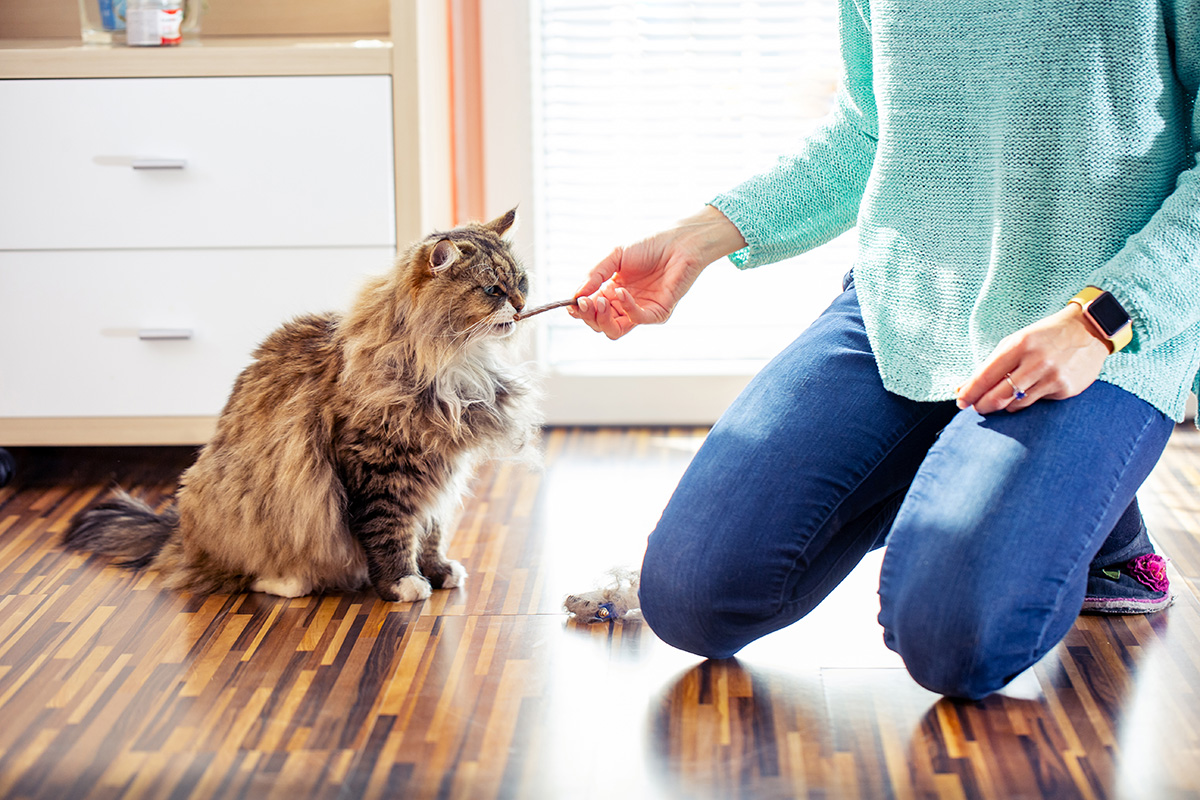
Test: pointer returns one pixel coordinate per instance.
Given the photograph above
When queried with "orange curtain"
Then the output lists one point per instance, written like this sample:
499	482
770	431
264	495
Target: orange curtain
466	110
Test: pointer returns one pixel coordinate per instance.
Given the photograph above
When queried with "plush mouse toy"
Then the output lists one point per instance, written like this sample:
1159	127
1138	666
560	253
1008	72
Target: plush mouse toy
615	600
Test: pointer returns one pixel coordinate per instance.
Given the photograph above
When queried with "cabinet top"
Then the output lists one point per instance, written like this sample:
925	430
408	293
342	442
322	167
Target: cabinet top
200	57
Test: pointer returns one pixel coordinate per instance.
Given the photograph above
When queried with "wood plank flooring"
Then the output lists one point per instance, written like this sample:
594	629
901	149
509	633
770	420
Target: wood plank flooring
111	687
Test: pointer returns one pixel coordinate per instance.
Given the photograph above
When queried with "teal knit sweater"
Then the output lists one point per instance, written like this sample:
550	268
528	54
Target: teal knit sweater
997	157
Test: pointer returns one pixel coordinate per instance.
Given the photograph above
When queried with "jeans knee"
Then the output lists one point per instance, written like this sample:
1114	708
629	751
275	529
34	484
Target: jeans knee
961	673
957	651
683	610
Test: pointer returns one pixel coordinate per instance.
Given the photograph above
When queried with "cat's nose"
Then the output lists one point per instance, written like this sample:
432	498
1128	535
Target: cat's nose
517	302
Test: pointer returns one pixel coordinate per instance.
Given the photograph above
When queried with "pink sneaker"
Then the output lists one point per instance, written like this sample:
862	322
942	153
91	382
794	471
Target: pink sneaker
1139	586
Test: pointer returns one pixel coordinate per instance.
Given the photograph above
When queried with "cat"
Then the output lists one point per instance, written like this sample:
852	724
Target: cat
347	443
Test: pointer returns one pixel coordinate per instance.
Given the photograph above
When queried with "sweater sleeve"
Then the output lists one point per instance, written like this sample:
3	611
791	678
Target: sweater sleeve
813	195
1156	275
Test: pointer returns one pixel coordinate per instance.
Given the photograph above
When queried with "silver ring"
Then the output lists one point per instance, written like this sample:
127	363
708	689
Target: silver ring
1018	392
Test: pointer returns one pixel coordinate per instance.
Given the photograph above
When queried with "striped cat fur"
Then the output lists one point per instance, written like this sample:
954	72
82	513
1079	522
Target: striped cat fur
346	445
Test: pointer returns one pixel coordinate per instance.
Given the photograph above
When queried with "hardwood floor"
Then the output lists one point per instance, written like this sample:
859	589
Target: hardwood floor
112	687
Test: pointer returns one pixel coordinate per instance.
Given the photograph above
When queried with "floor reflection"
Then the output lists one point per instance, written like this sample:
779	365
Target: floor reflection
1066	728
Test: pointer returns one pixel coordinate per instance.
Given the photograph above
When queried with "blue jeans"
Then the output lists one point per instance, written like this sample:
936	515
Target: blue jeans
990	522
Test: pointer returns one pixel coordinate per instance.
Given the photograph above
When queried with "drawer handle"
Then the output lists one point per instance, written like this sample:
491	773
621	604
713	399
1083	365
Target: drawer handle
158	163
164	334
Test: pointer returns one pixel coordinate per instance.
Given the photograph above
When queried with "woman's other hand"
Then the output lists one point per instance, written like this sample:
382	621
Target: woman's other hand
1054	358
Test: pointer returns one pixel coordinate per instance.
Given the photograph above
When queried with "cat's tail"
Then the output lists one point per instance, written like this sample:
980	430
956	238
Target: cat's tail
123	527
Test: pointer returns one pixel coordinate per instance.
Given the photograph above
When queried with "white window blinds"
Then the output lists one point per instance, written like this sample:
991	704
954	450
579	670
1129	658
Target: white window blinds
645	111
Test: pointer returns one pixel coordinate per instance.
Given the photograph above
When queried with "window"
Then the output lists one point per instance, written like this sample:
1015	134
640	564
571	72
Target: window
640	113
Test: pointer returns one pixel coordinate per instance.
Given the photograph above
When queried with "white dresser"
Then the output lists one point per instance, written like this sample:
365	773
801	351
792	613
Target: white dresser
153	230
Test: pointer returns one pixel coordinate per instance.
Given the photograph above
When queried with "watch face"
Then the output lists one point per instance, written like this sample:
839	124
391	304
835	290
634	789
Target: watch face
1108	313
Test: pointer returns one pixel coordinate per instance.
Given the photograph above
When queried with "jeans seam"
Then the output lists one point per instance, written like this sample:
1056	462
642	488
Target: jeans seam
1134	442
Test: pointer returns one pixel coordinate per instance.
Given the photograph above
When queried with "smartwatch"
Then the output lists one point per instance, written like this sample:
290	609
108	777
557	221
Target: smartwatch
1106	316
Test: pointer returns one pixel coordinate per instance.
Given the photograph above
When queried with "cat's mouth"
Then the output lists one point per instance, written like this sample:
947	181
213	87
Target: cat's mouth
504	328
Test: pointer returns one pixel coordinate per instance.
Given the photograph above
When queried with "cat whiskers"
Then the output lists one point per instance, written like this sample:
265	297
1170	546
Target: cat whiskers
451	333
472	333
474	330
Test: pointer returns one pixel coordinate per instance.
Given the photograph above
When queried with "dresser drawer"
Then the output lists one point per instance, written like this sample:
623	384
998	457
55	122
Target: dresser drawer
196	162
153	333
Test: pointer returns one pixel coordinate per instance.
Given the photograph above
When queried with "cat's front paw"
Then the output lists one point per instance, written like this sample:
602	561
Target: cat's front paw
444	573
281	587
456	577
408	589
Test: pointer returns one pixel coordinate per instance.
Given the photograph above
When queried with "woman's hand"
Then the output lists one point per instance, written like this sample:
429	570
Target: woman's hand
1052	359
640	284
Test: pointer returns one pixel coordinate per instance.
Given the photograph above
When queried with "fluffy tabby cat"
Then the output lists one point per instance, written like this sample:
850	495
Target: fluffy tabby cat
346	444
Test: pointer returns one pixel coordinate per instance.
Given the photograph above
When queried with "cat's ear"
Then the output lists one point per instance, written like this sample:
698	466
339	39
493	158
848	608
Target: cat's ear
502	223
443	254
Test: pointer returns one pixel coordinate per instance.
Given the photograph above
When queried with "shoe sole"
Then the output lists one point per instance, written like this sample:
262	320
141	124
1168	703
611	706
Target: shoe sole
1126	605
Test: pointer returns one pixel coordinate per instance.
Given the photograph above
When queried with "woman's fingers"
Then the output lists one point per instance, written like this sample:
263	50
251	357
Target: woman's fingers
1015	391
1052	359
601	273
612	311
597	313
983	389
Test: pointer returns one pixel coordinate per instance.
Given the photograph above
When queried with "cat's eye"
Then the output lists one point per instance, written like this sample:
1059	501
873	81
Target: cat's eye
493	291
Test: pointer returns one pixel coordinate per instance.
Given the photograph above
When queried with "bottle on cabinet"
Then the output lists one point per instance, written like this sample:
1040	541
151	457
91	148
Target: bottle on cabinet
153	23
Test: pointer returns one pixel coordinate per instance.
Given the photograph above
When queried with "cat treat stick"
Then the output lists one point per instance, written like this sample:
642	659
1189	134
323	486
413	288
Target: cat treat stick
548	307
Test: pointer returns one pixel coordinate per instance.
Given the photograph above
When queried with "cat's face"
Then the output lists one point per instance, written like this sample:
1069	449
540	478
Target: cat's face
469	282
